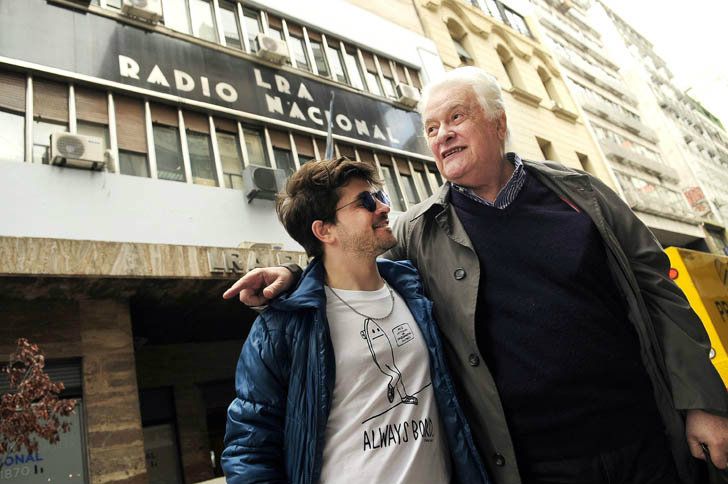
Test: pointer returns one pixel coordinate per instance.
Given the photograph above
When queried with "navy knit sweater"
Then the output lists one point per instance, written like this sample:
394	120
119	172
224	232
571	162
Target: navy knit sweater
552	327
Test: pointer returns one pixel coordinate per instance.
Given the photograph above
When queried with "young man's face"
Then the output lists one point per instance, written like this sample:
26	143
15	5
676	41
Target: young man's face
359	231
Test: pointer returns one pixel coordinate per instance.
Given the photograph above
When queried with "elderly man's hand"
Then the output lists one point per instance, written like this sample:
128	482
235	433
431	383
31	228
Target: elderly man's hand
259	286
711	430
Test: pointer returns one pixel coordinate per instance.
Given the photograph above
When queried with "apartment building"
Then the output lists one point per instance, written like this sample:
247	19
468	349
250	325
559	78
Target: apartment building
142	144
646	178
692	139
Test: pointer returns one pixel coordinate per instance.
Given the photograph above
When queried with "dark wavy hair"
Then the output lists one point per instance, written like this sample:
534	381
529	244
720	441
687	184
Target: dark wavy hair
312	193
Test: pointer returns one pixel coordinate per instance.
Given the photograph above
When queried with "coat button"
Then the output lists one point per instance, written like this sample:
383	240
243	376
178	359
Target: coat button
500	461
459	273
473	359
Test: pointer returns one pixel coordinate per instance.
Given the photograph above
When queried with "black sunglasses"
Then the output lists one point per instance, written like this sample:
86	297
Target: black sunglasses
369	200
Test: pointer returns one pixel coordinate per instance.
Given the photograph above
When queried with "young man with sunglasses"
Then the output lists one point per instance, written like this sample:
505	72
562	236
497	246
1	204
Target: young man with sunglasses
344	380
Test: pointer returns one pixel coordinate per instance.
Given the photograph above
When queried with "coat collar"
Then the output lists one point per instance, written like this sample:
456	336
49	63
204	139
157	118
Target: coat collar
548	169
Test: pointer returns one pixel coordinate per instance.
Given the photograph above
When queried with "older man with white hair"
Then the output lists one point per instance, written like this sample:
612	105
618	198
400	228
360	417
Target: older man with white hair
578	359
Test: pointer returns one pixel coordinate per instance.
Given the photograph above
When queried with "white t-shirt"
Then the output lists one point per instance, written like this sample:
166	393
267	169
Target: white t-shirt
383	426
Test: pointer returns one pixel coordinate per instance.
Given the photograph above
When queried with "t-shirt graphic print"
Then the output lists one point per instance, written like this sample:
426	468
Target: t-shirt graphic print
383	425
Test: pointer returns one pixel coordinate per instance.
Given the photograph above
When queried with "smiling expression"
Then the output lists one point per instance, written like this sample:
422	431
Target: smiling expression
358	230
462	138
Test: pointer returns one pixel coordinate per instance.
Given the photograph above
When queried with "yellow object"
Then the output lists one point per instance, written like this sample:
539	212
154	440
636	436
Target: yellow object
703	277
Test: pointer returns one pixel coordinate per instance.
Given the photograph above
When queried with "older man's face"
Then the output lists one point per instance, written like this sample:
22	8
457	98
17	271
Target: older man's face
462	138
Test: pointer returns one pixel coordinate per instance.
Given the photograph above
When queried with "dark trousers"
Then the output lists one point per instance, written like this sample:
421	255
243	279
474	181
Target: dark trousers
647	461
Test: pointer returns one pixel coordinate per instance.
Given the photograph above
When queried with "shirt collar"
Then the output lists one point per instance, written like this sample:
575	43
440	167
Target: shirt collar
509	191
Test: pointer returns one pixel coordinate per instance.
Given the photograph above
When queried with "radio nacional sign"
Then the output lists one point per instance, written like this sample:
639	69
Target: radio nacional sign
103	48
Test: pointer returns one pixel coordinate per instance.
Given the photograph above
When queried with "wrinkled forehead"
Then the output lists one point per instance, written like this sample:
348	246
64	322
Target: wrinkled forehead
442	99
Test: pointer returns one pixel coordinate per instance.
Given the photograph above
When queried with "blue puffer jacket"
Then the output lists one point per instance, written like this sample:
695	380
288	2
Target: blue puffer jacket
285	380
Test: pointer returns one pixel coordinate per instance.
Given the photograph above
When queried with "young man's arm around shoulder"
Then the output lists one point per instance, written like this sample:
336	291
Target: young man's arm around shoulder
254	438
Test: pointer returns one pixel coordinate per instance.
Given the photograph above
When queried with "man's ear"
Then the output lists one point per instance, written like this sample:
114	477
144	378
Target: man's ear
501	125
322	231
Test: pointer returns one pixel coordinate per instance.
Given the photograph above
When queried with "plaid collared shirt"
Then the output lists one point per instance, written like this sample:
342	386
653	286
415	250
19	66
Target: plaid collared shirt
508	193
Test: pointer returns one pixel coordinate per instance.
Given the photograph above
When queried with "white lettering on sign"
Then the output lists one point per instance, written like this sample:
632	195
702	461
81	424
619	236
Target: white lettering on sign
128	67
183	81
157	77
274	85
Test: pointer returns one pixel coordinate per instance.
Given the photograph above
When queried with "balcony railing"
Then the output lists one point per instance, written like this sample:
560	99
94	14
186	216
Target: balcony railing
627	156
607	111
564	29
598	77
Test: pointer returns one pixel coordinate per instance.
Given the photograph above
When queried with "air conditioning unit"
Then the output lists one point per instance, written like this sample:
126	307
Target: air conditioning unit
407	95
263	182
272	49
148	10
78	151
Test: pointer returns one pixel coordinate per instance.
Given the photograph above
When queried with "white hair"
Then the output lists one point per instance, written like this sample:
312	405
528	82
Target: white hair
485	86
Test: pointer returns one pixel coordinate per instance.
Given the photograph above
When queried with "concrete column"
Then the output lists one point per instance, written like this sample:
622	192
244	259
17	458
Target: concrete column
114	426
192	427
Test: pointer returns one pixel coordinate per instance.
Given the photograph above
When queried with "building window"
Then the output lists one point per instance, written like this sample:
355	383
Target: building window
169	154
421	183
231	159
203	23
55	462
12	136
134	164
255	147
230	26
408	182
231	155
548	85
175	15
202	162
585	163
319	58
304	149
547	149
516	21
492	9
281	143
298	47
284	160
336	61
167	143
353	66
50	114
390	183
252	28
374	84
202	159
131	136
12	116
92	114
509	66
434	177
95	130
410	189
388	78
275	27
465	57
42	131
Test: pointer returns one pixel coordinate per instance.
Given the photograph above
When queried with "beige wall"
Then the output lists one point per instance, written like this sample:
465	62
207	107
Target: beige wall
531	112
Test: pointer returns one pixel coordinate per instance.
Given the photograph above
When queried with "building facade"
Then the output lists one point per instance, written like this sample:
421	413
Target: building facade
693	139
647	177
141	143
496	36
